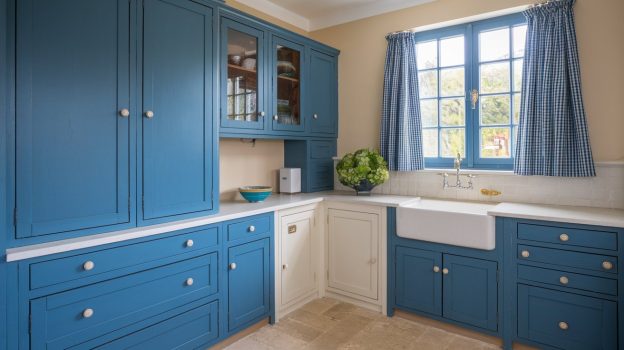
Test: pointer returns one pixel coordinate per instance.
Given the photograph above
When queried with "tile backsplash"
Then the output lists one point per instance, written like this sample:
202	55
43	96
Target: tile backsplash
606	190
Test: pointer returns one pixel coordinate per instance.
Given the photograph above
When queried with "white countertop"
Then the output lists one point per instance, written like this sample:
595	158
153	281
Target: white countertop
560	213
227	211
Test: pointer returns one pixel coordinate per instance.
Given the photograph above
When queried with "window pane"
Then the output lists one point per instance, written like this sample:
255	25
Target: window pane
519	40
429	112
452	111
494	78
452	51
516	108
517	68
428	83
452	82
494	45
495	110
495	143
452	141
430	142
427	54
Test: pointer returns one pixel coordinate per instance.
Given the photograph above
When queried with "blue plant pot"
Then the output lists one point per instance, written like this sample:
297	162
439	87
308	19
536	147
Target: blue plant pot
364	188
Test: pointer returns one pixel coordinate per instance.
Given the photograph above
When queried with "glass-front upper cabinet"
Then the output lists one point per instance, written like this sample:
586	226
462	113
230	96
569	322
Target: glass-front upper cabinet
243	77
287	63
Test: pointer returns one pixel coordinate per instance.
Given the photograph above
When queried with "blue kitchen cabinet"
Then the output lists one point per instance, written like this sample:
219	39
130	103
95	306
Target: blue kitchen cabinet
470	291
322	102
287	86
315	158
73	117
248	283
418	281
178	139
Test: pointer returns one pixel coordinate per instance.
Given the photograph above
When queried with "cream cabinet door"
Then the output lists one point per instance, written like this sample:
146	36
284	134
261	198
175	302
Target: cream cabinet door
298	256
352	252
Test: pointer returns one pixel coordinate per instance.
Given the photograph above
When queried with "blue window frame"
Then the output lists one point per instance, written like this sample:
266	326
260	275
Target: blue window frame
470	79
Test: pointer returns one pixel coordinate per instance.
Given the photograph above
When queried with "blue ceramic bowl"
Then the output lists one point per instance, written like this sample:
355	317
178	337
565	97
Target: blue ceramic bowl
255	194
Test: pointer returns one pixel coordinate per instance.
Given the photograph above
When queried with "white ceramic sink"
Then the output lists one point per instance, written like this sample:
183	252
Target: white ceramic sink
464	224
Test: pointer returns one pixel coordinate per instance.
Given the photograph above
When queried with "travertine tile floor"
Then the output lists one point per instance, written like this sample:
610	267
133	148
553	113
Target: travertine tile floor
327	324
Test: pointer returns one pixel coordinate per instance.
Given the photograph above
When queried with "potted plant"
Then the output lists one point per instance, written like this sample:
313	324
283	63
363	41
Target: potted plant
362	170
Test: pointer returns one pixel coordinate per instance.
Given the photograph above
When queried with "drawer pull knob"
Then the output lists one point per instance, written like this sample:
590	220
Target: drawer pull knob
563	280
564	326
564	237
232	266
88	266
87	313
189	243
525	254
252	228
436	269
285	267
189	281
607	265
445	271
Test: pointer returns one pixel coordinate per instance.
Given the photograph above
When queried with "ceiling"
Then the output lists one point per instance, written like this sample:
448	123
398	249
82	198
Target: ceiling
313	15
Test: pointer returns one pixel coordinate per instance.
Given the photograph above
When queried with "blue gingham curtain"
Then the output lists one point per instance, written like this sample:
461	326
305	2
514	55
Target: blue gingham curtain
401	134
552	135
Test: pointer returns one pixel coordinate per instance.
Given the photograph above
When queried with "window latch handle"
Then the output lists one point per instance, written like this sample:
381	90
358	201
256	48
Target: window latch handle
474	97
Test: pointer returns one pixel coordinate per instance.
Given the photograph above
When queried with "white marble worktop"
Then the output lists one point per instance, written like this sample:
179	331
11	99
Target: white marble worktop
560	213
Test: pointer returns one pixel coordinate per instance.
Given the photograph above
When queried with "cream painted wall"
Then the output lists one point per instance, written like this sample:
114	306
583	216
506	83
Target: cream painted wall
599	31
243	164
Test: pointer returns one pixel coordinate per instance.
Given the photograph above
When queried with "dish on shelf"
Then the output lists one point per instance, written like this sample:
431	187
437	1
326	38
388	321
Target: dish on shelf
255	194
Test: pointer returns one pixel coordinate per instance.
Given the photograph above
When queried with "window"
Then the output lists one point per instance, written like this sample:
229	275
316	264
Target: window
470	77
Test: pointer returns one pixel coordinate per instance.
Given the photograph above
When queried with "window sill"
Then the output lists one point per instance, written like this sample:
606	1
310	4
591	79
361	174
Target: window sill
468	171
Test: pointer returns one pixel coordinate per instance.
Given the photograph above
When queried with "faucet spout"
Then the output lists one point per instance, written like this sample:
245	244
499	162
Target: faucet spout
457	162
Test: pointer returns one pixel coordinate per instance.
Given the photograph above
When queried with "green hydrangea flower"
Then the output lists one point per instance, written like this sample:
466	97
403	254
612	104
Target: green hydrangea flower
363	164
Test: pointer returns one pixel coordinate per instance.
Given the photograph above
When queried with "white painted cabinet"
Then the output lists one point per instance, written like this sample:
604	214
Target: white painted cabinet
298	258
355	243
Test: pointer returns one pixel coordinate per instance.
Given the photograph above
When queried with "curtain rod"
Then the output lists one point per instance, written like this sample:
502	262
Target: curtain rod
400	31
542	3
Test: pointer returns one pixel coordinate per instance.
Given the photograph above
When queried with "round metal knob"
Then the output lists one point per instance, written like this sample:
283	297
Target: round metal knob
285	267
149	114
315	116
189	281
261	114
276	117
445	271
373	261
232	266
436	269
563	325
252	228
87	313
189	243
563	280
124	112
607	265
88	266
564	237
525	254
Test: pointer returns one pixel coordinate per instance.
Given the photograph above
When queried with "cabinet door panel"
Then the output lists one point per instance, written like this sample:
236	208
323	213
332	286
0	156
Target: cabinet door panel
470	291
248	283
418	286
73	147
323	94
177	88
287	70
298	263
352	245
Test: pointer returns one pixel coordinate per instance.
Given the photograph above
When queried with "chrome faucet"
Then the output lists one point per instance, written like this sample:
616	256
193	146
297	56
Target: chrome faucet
458	183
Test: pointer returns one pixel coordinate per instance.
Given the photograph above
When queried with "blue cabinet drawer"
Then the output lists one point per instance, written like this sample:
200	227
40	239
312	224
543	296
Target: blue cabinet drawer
568	279
47	273
565	320
189	330
254	226
322	149
72	317
593	262
568	236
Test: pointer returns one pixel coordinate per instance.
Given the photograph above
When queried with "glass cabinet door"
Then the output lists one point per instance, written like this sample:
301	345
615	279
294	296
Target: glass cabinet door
243	82
286	97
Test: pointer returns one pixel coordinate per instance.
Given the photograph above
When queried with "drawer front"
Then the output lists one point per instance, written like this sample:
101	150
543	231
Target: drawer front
47	273
568	279
189	330
253	226
568	236
69	318
593	262
322	149
565	320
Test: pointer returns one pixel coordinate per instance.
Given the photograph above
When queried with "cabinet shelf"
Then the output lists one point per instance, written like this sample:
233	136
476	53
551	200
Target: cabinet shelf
287	78
241	69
